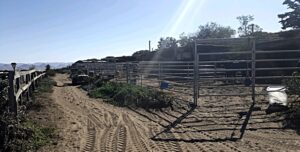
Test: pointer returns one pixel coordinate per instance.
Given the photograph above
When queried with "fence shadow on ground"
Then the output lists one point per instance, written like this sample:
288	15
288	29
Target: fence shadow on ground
206	128
167	130
211	134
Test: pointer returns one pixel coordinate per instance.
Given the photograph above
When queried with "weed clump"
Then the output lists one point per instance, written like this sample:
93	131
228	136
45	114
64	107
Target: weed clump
293	115
39	135
121	94
46	85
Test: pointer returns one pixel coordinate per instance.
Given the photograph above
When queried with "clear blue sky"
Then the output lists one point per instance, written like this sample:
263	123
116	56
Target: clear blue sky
69	30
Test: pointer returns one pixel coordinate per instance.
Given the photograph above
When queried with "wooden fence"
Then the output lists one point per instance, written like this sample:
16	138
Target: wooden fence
22	83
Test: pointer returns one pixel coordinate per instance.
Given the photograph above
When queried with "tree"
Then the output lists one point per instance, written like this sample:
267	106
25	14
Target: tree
48	67
168	42
184	40
143	55
214	30
291	19
247	28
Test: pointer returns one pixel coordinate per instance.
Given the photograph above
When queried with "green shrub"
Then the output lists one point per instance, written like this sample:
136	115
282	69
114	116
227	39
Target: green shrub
39	135
50	73
3	95
293	84
122	94
293	115
46	84
62	71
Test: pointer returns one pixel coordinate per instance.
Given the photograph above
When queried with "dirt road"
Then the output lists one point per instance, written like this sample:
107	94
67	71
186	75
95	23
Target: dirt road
92	125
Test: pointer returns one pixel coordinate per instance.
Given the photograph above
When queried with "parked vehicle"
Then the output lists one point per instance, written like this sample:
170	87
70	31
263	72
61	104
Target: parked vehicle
80	79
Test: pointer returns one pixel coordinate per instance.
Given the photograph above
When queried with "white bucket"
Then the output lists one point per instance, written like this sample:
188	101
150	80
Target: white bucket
277	94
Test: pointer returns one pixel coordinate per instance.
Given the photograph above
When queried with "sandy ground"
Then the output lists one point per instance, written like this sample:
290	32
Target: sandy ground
92	125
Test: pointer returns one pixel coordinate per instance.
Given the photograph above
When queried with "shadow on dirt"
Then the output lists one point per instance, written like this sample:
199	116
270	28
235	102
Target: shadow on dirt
209	127
178	121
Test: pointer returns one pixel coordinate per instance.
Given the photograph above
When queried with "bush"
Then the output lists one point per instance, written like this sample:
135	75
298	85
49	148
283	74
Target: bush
293	115
293	84
63	71
50	73
46	85
122	94
3	95
3	112
39	135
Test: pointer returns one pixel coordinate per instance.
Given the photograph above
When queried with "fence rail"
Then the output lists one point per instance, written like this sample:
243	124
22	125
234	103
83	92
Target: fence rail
20	83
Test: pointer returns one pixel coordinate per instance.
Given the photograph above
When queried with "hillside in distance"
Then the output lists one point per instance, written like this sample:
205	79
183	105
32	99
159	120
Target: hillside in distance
38	65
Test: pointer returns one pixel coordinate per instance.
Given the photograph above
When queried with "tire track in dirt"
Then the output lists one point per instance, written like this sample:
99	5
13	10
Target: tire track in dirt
135	137
91	137
120	139
97	121
106	139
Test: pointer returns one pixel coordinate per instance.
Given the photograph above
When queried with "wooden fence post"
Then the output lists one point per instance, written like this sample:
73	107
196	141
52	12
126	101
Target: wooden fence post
33	82
28	90
37	81
18	83
11	93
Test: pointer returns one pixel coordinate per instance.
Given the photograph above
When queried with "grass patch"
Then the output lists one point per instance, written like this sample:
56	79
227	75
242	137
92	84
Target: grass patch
26	136
39	135
122	94
51	73
46	85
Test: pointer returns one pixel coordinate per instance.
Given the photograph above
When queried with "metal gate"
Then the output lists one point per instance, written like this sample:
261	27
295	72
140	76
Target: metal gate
236	67
218	64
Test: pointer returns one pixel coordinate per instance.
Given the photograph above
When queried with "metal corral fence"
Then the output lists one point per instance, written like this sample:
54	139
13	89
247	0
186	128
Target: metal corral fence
222	67
218	63
173	76
245	64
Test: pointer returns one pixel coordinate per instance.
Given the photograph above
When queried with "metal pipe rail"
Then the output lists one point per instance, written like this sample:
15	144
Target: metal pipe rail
214	95
167	69
243	78
257	69
166	62
168	66
275	51
249	52
248	61
225	53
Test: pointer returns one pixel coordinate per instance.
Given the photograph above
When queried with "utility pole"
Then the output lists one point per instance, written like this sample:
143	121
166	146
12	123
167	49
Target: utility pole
252	29
149	45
